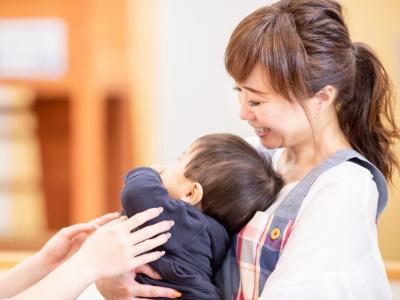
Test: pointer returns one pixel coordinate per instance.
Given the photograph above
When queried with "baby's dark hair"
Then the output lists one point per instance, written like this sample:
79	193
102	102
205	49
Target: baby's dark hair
237	181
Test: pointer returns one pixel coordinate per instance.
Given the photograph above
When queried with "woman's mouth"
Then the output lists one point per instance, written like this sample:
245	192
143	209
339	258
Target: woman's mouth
261	132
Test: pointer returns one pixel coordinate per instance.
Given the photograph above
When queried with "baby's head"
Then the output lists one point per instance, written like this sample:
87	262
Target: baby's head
225	177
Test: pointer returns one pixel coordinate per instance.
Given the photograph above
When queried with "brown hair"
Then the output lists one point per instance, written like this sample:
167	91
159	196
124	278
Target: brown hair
304	45
237	181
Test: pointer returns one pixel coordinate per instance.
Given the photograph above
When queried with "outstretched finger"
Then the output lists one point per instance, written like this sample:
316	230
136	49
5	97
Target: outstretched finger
145	258
150	244
149	291
142	217
150	231
71	231
100	221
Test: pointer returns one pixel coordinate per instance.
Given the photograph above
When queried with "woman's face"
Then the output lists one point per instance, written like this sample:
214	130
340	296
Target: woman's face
276	121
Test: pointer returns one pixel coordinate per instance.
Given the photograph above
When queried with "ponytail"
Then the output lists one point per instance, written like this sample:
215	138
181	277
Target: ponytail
368	118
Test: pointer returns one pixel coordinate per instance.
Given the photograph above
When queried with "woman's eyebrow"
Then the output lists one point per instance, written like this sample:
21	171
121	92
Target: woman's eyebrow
255	91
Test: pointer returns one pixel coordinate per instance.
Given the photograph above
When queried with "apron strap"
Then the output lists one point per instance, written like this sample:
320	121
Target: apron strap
379	180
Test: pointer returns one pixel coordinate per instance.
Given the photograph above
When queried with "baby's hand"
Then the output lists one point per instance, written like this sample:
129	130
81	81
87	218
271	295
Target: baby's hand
112	249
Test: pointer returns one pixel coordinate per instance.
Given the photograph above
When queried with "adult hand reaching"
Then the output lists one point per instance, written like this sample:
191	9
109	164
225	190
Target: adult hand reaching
68	240
124	287
126	251
110	250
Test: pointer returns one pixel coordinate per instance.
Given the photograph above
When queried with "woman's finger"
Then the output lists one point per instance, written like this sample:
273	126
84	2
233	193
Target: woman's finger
146	258
150	244
148	271
141	218
121	219
149	291
150	231
100	221
71	231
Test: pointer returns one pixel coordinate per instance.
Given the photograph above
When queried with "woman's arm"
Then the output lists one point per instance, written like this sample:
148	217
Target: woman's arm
24	275
61	246
110	251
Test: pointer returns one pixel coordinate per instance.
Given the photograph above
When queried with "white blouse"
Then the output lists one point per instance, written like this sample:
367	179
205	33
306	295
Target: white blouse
333	251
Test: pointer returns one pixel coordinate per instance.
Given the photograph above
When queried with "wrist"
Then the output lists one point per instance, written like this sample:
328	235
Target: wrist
84	266
41	259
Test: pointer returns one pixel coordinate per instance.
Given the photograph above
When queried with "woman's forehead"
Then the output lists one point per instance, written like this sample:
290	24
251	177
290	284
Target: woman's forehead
257	80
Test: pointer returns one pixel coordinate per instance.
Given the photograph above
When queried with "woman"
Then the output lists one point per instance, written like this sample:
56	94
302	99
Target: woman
71	259
313	94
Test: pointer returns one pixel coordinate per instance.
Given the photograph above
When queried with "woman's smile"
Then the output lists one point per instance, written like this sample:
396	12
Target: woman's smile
261	132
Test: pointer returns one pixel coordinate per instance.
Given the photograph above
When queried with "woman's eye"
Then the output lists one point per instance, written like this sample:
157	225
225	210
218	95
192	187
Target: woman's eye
253	103
237	89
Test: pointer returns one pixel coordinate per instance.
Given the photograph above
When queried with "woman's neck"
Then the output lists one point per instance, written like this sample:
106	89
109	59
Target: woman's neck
299	159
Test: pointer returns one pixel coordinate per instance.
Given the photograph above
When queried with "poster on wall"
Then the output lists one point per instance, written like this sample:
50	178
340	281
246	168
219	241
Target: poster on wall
34	49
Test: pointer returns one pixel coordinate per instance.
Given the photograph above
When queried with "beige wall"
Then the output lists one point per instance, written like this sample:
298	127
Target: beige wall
377	23
142	78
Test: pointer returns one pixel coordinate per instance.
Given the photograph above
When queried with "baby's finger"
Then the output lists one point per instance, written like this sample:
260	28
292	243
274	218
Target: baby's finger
150	231
150	244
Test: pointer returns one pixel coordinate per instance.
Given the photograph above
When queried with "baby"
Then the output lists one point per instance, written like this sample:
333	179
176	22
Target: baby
211	192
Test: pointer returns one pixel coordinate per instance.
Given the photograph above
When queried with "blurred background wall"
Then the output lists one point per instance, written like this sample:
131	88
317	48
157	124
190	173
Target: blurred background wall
131	82
378	24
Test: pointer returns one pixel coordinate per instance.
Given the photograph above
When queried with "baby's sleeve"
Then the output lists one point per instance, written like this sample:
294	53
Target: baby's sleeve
143	190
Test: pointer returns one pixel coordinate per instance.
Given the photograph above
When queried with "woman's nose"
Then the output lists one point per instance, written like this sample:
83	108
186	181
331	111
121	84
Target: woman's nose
245	113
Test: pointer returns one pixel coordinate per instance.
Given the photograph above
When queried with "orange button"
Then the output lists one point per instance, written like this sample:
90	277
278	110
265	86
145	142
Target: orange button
275	233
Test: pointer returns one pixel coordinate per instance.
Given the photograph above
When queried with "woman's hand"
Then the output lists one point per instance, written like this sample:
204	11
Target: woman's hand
124	287
68	240
113	249
110	251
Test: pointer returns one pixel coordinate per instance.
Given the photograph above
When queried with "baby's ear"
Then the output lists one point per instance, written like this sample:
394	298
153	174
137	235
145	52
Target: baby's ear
194	195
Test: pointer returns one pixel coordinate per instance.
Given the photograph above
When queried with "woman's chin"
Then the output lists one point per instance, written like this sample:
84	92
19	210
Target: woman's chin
269	142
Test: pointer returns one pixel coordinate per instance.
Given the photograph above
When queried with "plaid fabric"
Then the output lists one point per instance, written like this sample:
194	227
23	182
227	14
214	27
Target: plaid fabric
253	256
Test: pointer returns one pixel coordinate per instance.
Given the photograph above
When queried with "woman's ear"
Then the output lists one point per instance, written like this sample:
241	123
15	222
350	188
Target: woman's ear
326	95
322	100
194	194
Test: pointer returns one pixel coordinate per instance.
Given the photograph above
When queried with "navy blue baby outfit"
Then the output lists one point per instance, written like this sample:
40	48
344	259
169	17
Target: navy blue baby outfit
198	243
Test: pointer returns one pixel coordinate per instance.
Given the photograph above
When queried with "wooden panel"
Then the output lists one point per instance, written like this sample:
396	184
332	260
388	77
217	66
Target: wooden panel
118	148
97	56
54	136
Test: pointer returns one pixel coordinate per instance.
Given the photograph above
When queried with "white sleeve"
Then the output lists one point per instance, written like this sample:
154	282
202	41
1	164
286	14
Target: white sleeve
332	252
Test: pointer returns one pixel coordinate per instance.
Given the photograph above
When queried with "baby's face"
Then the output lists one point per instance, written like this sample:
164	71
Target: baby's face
173	176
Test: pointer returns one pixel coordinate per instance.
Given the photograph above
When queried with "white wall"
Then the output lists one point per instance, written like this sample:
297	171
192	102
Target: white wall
195	95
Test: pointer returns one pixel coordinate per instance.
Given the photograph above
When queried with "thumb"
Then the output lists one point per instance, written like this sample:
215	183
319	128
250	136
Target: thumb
71	231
